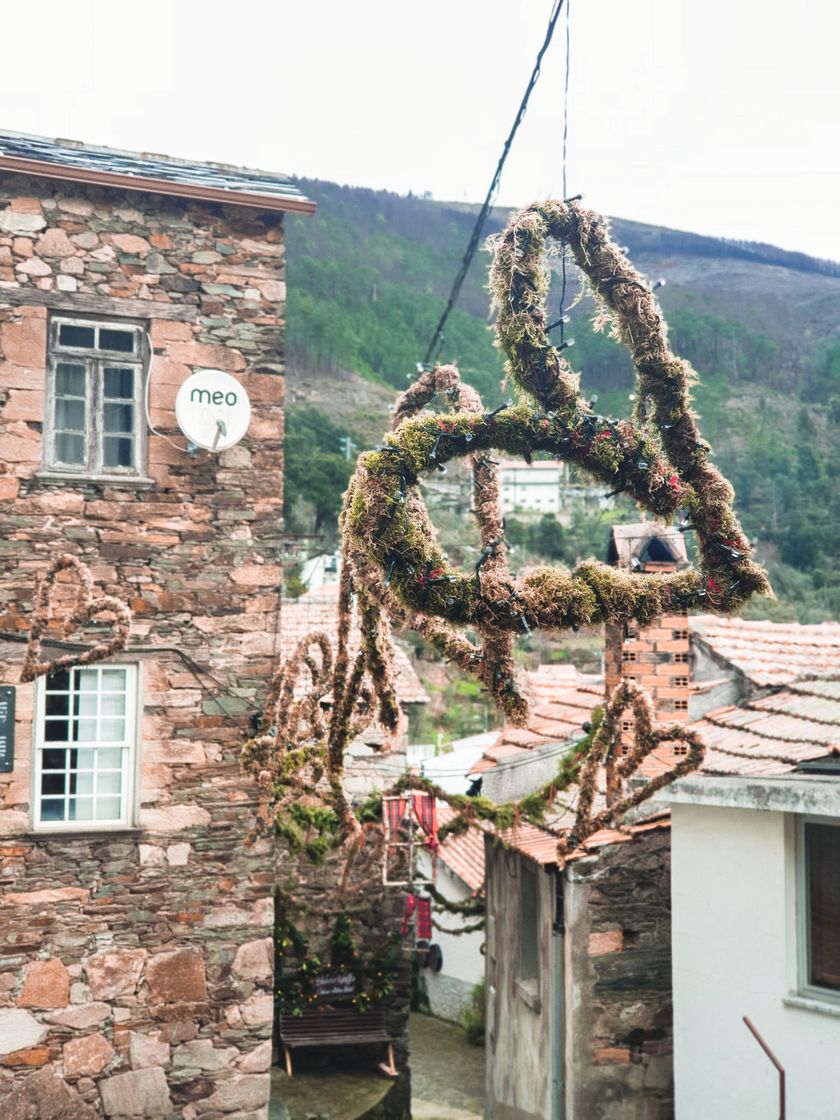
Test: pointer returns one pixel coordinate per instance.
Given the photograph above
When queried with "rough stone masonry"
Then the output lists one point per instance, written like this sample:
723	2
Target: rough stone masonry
136	964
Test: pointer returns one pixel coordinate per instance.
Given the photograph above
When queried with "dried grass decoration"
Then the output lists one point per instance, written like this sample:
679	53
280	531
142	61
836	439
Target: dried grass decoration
657	457
604	756
84	609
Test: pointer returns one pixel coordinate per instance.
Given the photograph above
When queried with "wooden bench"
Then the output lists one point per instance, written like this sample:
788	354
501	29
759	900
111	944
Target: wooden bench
335	1026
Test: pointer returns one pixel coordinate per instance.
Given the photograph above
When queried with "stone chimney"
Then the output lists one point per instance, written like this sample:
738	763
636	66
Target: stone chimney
657	658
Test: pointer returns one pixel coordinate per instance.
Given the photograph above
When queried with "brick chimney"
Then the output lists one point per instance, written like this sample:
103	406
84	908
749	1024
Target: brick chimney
657	658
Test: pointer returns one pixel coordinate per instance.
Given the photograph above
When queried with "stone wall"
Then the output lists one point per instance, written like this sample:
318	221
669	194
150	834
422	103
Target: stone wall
618	985
135	973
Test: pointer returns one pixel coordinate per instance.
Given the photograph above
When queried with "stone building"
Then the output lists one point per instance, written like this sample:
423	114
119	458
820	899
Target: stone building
136	968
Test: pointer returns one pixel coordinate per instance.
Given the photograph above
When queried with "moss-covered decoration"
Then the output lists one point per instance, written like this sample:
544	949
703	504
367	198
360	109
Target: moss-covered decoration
658	458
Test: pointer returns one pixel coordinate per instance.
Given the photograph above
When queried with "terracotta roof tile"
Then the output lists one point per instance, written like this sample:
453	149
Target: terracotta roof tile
770	653
463	854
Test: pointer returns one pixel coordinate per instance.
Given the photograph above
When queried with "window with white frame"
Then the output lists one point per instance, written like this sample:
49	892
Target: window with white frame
85	747
819	894
94	398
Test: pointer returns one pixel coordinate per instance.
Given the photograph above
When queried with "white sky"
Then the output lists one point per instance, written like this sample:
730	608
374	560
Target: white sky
721	117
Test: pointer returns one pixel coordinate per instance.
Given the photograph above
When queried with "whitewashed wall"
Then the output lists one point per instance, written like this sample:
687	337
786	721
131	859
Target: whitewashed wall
463	962
734	954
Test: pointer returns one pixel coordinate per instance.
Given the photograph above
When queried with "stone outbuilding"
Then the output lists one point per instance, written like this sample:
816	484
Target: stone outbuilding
136	968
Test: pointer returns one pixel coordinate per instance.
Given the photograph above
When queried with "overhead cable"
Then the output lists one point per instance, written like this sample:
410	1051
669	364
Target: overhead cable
472	246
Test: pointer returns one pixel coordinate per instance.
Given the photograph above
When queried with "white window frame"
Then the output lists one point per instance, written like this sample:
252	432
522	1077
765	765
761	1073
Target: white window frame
803	915
95	361
131	757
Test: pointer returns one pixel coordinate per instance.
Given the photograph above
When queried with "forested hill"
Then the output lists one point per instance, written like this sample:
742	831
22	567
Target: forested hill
368	277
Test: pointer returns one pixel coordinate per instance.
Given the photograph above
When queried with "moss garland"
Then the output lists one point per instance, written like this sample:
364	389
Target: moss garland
83	611
658	458
605	754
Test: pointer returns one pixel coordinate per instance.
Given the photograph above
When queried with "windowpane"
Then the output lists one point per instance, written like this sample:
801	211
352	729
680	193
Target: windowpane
81	783
111	339
54	759
58	681
528	924
70	335
69	415
108	783
69	449
58	704
822	843
70	380
53	783
117	452
113	680
84	704
56	730
112	705
108	758
119	418
87	680
119	383
52	809
111	730
107	808
84	731
81	809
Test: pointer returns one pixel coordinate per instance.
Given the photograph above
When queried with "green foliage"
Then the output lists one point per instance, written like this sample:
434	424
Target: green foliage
473	1016
316	471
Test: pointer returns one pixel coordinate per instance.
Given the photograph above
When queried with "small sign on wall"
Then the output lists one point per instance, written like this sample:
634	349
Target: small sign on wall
335	985
7	729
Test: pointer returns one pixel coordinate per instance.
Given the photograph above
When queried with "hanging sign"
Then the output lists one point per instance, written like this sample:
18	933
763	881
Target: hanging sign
212	409
335	985
7	729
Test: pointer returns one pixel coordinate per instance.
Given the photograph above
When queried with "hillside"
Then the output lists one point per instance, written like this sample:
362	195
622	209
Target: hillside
368	276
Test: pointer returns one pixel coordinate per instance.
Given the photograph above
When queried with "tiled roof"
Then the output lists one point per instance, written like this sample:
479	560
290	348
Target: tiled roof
770	653
154	174
771	735
562	700
464	854
318	610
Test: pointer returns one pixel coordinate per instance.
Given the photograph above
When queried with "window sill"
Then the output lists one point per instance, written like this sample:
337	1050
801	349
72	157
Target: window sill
84	831
813	1003
126	482
529	993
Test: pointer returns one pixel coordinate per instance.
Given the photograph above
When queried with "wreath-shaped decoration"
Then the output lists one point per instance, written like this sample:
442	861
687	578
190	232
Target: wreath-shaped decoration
85	609
658	458
604	756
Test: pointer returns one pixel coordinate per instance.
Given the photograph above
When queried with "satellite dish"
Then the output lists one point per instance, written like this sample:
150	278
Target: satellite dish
212	409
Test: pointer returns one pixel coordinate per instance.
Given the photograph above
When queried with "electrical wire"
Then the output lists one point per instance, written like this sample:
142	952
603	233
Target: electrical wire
472	246
146	391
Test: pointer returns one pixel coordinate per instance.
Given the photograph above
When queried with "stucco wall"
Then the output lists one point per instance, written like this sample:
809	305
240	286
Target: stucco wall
463	962
734	944
519	1020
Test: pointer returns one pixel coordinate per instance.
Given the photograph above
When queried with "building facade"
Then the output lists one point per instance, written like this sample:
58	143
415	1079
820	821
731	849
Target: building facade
136	918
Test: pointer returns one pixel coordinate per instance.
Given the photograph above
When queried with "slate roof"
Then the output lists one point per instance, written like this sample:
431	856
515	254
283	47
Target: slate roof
770	653
154	174
318	610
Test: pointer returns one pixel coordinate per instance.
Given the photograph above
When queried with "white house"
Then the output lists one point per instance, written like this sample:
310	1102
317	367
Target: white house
460	877
756	909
